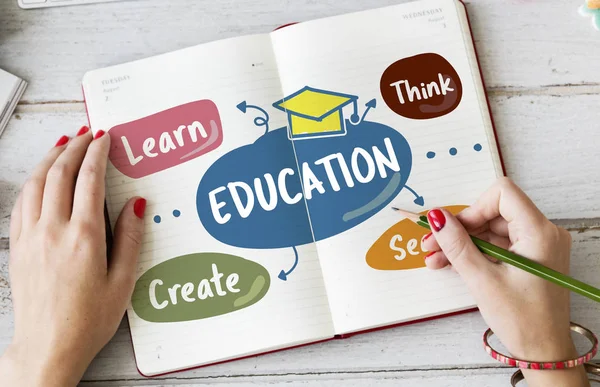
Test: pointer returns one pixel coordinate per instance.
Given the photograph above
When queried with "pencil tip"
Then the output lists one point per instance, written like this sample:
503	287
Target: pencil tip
407	214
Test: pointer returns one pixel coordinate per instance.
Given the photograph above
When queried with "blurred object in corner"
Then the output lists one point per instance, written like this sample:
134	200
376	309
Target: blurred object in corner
11	90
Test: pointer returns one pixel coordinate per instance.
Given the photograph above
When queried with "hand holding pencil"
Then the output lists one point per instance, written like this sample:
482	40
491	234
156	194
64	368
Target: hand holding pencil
530	315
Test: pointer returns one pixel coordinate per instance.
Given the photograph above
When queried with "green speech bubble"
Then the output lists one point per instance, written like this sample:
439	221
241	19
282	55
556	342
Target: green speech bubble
197	286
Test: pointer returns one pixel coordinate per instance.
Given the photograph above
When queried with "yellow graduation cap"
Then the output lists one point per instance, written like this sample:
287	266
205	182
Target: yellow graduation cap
314	113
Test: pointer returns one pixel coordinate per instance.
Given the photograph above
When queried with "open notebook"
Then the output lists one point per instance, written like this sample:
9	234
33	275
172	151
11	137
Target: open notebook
270	163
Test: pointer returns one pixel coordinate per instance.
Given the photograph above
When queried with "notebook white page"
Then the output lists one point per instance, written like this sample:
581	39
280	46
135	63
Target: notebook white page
348	54
292	312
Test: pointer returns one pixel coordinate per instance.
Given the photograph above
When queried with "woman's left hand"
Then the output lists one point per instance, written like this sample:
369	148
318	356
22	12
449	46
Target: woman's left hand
68	298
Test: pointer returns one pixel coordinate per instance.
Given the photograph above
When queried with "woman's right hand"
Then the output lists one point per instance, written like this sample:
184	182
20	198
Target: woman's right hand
529	315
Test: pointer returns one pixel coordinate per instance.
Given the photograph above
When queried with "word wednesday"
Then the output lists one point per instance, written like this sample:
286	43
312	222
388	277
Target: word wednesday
376	162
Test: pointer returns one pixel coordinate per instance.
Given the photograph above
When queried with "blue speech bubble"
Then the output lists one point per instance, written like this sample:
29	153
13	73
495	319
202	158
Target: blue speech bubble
334	211
285	226
352	177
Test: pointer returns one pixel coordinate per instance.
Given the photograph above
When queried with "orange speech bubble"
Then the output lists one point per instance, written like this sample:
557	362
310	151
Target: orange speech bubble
399	248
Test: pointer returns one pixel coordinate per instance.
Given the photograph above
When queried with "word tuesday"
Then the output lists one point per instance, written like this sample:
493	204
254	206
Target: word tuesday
376	162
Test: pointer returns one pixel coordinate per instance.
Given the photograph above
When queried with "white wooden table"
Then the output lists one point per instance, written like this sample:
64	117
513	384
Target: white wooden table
541	61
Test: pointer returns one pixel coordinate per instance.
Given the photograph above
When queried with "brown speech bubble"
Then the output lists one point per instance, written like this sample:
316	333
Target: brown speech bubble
421	87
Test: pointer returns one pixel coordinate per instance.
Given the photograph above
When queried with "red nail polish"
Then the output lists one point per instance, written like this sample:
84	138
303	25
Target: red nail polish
84	129
99	134
437	220
139	207
430	254
62	141
427	236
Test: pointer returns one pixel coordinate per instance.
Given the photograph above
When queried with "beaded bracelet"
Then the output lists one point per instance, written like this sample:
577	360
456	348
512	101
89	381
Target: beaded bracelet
545	365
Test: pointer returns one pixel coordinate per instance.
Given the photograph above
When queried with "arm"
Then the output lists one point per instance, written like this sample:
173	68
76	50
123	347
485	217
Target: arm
68	299
530	315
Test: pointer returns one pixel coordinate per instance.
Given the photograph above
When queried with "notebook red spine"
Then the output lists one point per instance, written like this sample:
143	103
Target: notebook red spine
345	336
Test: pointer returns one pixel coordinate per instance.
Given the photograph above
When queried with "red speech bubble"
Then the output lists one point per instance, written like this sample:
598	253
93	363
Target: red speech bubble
165	139
421	87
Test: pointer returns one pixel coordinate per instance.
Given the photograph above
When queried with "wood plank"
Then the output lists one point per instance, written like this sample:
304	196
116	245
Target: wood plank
443	344
549	144
521	44
445	378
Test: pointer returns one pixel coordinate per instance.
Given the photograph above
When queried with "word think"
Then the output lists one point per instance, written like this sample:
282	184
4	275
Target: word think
425	92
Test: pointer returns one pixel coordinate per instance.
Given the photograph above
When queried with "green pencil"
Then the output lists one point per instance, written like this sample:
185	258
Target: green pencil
523	263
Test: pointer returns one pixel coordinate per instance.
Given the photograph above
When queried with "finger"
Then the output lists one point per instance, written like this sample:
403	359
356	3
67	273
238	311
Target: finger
503	199
499	226
15	221
33	190
495	239
60	183
127	244
436	260
429	243
88	201
458	247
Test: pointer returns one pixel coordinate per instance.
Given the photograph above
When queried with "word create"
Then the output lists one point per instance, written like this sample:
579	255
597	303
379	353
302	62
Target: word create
187	290
165	142
410	247
425	92
377	162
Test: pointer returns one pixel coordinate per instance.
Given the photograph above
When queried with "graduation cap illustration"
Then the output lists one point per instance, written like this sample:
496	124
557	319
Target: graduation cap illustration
315	113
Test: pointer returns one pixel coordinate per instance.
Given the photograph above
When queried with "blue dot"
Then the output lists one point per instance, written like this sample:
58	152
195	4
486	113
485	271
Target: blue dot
453	151
430	155
157	219
477	147
176	213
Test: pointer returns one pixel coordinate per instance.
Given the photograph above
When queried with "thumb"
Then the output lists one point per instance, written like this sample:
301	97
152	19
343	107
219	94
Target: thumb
457	245
127	244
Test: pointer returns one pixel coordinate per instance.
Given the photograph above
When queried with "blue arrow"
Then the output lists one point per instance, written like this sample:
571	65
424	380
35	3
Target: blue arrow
258	121
418	199
372	104
284	274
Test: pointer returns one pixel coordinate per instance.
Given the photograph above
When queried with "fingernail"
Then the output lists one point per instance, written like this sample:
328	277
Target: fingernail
430	254
62	141
427	236
437	220
139	207
99	134
84	129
